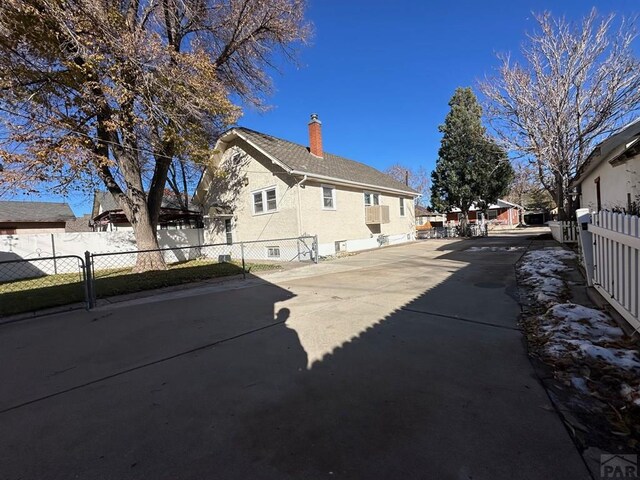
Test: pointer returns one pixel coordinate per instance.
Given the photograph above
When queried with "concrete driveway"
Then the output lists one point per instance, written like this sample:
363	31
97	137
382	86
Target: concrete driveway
405	362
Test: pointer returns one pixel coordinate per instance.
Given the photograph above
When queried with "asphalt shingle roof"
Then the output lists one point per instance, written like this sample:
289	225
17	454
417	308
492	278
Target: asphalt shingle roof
297	157
15	211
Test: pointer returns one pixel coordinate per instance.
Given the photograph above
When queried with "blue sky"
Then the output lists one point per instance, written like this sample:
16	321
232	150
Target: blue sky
380	73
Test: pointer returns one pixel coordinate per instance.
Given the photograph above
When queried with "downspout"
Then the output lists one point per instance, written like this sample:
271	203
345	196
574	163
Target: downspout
299	206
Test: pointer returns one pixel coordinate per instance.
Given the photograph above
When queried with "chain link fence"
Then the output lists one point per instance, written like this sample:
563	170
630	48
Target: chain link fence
473	230
35	283
31	284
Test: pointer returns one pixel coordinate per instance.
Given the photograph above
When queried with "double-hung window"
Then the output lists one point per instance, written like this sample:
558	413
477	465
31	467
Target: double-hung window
328	197
371	199
401	207
265	201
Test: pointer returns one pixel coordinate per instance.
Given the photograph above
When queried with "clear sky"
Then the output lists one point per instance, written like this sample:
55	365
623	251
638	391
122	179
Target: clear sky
380	72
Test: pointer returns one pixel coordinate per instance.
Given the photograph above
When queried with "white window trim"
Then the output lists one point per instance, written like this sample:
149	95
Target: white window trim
274	247
403	207
333	196
371	193
263	191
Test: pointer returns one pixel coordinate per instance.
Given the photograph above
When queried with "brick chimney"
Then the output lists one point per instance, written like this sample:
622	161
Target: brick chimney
315	136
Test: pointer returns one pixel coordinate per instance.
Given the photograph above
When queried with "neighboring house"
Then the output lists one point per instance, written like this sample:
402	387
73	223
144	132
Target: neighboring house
610	177
33	217
424	215
79	225
289	190
107	216
501	213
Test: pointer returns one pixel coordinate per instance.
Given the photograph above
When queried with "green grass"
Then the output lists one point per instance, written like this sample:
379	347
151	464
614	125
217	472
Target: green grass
63	289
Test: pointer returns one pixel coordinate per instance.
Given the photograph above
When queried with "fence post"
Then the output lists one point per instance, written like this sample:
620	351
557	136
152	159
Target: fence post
89	287
586	243
315	249
244	270
53	249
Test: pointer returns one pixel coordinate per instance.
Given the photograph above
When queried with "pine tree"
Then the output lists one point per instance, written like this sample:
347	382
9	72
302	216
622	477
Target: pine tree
471	168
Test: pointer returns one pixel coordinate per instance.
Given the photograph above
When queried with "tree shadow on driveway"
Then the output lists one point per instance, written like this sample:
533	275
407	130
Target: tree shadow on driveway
433	389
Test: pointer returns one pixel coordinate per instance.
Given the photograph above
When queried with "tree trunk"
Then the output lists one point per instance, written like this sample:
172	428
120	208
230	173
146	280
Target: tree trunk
464	223
559	197
146	239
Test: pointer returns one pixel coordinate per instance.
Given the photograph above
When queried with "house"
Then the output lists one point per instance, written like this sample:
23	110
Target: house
501	214
107	216
424	216
263	187
18	217
610	177
79	225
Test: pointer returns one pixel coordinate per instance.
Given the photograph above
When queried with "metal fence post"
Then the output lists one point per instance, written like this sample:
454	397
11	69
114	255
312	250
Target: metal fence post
244	270
89	287
315	249
53	249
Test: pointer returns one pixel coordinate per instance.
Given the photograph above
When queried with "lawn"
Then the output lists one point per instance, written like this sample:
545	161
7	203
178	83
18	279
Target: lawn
63	289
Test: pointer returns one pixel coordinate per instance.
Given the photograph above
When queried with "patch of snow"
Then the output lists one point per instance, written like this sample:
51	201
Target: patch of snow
541	269
580	383
585	332
630	393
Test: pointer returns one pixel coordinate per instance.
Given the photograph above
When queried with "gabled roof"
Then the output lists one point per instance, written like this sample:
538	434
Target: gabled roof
16	211
424	211
296	159
611	149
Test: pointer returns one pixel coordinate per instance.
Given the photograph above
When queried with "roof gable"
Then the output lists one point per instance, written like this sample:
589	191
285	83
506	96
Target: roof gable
610	148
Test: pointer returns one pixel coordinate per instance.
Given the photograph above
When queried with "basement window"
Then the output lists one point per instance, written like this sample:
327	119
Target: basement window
273	252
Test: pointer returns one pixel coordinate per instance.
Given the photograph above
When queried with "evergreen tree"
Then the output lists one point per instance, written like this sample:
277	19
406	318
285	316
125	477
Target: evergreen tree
471	168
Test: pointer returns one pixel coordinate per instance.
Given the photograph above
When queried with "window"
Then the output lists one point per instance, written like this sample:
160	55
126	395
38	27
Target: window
492	214
401	207
598	194
264	201
328	197
273	252
371	199
228	231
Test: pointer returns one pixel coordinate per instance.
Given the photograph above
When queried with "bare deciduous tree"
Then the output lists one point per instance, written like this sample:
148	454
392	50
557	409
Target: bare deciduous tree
112	92
416	178
577	84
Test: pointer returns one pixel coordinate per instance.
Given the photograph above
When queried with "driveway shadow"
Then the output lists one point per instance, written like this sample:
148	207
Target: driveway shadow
421	392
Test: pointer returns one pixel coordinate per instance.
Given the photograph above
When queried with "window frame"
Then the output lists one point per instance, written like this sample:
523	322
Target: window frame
372	196
403	208
333	197
489	214
264	201
273	248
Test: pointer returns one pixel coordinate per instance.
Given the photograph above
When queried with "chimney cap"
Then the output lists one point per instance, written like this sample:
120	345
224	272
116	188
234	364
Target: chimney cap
314	118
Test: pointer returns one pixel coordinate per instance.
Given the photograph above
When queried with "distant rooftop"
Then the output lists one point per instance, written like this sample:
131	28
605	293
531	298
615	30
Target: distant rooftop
20	211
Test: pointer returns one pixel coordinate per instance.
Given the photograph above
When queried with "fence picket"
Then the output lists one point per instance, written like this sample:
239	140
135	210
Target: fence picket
616	255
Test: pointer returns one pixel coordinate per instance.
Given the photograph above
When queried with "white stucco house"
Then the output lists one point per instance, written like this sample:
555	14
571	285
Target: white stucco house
260	187
610	177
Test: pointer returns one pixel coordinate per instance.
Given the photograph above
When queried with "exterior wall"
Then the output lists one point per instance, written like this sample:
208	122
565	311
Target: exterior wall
346	223
246	225
615	184
35	227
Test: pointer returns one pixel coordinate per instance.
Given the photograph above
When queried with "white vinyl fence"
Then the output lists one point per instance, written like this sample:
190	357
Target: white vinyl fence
616	264
564	232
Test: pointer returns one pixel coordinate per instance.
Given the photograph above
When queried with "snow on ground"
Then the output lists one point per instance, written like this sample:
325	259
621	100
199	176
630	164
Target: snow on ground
541	271
494	249
567	330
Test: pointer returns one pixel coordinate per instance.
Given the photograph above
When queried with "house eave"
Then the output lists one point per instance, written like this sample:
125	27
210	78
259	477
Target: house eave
350	183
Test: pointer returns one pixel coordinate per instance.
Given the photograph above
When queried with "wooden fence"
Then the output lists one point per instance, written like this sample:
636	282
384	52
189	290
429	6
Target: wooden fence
616	252
564	232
